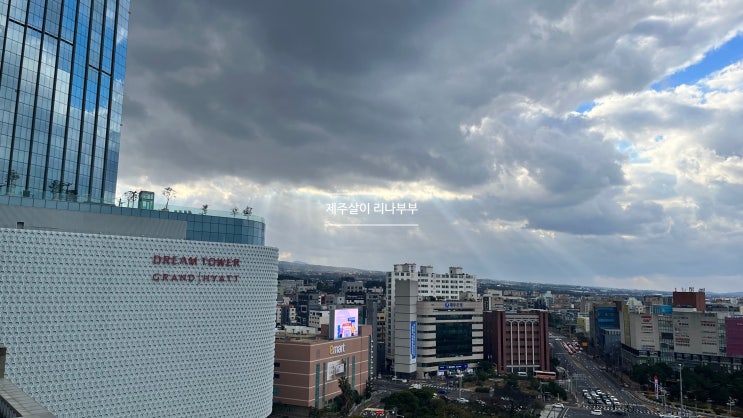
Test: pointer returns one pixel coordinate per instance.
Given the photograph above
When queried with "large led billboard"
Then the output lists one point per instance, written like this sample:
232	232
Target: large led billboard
344	323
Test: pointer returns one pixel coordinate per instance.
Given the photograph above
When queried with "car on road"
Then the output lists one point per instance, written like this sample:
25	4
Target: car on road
442	391
558	405
596	412
462	400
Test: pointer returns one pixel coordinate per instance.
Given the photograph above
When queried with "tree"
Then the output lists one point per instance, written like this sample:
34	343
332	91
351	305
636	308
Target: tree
369	388
347	398
204	209
131	197
169	193
56	188
405	402
234	211
555	389
247	211
12	177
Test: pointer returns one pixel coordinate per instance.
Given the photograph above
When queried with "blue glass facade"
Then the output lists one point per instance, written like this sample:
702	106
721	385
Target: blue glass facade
604	318
61	93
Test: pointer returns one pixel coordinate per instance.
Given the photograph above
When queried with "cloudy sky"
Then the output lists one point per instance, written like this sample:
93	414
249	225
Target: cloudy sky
561	142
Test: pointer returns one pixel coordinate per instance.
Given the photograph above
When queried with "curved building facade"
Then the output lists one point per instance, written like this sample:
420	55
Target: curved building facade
120	326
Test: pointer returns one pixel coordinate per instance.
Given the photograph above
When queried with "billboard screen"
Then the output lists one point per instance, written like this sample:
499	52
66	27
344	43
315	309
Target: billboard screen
336	369
345	323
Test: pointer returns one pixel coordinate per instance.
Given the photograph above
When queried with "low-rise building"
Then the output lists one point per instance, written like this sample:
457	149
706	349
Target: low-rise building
307	368
517	341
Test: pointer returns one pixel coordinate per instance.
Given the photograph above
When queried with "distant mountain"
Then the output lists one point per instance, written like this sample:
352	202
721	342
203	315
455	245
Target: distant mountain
305	270
298	267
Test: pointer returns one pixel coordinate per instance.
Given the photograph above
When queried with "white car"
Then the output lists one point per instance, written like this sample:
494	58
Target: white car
596	412
462	400
558	405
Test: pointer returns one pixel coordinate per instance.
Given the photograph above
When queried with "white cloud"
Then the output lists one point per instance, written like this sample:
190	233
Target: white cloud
468	110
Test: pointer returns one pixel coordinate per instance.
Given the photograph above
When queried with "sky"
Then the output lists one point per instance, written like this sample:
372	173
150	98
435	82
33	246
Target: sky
571	142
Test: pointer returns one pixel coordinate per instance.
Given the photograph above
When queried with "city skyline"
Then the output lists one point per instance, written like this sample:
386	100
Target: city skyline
571	143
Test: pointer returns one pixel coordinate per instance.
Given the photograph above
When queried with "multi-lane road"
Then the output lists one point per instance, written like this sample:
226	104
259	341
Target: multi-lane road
592	389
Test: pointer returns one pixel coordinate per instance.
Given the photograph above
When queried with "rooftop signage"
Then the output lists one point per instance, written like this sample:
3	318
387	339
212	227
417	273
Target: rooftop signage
344	323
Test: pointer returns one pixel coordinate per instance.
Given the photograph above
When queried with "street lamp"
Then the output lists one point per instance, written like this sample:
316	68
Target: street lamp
662	391
731	402
460	384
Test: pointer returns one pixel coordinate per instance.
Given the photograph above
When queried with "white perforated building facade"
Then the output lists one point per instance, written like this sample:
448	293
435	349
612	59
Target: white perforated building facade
122	326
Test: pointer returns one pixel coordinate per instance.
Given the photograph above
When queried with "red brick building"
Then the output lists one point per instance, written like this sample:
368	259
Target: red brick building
690	299
517	341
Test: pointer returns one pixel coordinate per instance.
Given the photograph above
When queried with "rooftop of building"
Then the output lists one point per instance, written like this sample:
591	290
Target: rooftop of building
175	222
123	208
14	402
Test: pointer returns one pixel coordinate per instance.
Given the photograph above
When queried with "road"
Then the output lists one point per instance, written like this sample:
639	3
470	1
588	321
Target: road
584	374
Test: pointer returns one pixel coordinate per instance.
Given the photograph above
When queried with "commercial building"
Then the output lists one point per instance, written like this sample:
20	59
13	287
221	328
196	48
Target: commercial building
108	310
734	337
449	337
690	299
402	330
641	343
405	286
604	316
61	95
492	300
687	334
517	341
307	367
115	315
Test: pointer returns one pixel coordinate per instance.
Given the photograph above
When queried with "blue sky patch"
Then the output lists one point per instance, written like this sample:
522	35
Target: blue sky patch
714	60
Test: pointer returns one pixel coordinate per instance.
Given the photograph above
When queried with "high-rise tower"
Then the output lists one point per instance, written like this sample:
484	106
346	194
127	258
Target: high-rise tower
61	92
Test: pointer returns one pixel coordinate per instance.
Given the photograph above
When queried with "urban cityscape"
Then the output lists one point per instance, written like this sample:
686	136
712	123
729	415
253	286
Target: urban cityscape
382	209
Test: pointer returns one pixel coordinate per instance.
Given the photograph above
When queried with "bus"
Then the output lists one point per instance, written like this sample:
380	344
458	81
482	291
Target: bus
543	375
373	412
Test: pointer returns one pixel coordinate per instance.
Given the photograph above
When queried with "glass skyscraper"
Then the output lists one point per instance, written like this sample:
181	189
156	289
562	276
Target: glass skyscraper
61	92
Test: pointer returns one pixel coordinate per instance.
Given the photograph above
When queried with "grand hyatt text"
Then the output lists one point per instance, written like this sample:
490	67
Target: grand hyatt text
198	278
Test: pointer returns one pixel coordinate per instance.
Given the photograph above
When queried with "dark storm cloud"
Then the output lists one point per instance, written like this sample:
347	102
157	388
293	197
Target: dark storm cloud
377	89
600	217
313	85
